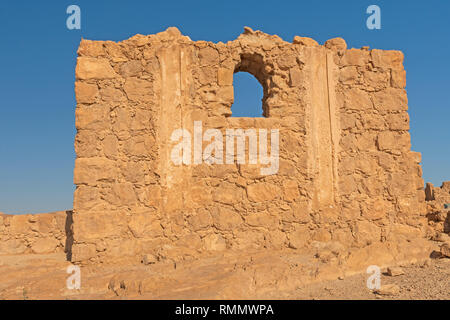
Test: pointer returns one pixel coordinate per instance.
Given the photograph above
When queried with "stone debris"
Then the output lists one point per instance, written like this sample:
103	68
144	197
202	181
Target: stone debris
149	259
388	290
394	271
445	250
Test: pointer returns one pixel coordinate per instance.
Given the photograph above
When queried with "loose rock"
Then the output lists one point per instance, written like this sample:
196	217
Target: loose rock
388	290
149	259
394	271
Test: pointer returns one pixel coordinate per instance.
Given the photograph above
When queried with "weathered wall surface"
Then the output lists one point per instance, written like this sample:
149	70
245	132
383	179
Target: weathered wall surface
346	173
438	208
37	233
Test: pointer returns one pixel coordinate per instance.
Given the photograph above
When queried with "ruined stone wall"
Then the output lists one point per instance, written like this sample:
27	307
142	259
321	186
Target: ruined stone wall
381	185
38	233
438	208
345	173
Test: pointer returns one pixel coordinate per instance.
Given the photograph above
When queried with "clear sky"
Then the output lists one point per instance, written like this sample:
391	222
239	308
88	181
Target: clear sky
38	55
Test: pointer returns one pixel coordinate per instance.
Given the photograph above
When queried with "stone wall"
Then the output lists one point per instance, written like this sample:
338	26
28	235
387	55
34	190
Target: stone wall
438	208
345	174
35	233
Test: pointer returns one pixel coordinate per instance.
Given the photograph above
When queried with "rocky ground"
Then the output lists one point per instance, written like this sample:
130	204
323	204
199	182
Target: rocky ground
419	281
263	276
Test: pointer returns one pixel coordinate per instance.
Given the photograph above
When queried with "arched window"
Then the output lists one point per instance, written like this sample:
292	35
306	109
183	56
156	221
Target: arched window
250	88
248	94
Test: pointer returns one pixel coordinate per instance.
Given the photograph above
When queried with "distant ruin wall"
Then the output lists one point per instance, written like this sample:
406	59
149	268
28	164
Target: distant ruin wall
35	233
345	174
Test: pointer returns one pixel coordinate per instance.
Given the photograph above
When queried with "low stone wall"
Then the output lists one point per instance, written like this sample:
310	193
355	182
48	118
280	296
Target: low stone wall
35	233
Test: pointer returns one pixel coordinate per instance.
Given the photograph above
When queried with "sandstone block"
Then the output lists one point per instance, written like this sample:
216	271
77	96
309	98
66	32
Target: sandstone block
390	99
398	121
356	99
290	190
376	80
110	94
83	252
299	238
138	222
376	209
91	48
295	77
286	61
226	94
94	68
225	77
124	193
208	74
200	220
19	224
44	245
388	290
445	250
85	197
305	41
138	89
336	44
214	242
387	58
301	212
86	144
208	56
348	75
367	232
139	146
85	93
355	57
226	219
149	259
395	271
259	192
199	196
398	78
347	185
227	193
262	219
322	235
115	51
97	225
91	170
45	223
131	68
392	141
110	146
92	117
429	192
12	246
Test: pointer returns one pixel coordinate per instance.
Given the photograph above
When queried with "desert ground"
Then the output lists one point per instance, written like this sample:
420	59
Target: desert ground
270	275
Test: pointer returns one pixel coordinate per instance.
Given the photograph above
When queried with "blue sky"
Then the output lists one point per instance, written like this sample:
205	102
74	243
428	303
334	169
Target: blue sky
38	54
